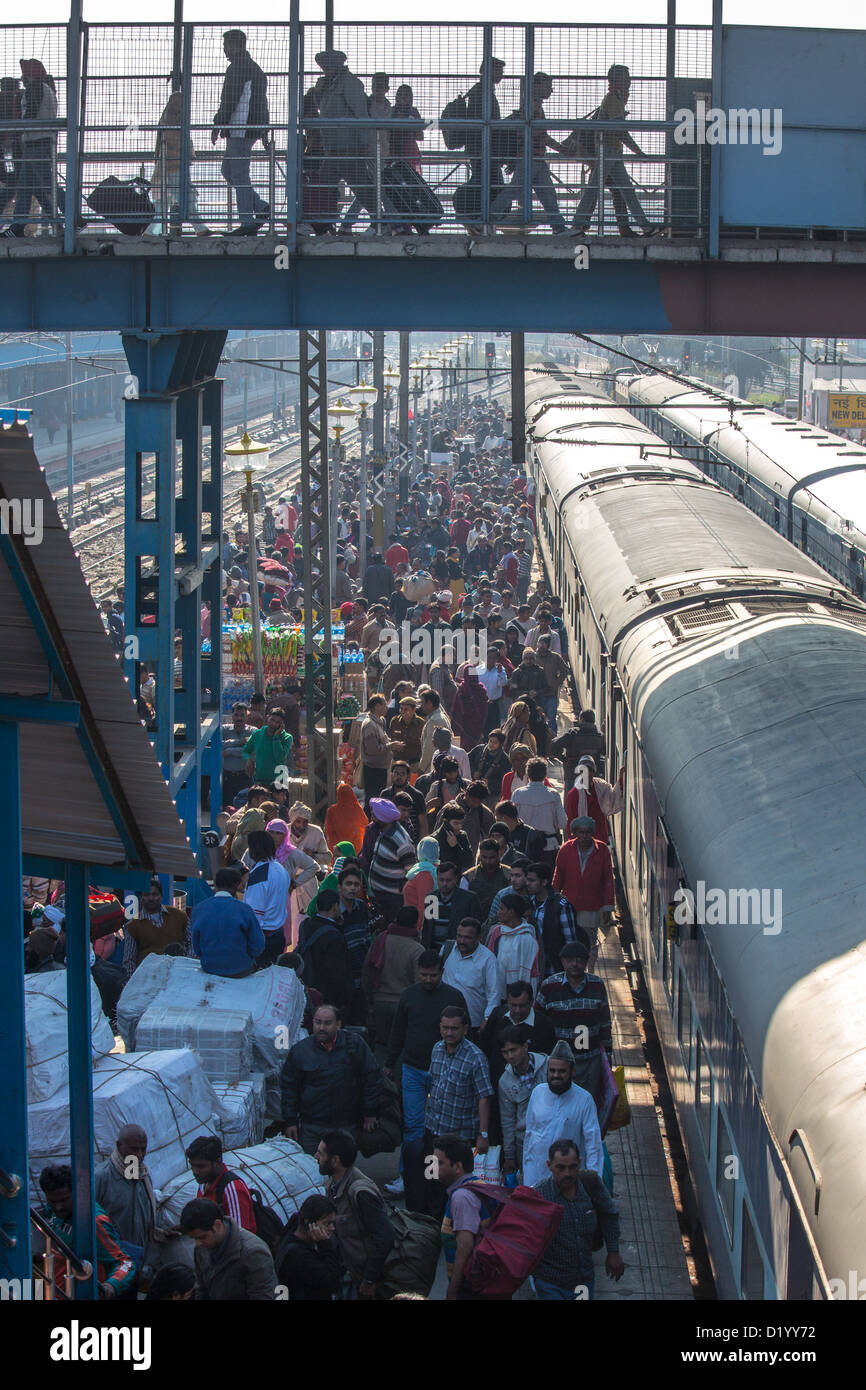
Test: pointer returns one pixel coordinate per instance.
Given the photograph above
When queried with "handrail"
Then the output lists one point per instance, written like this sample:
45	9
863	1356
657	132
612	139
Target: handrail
80	1268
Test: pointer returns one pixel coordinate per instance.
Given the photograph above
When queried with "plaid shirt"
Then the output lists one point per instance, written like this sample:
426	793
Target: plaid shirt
567	1261
569	1008
458	1080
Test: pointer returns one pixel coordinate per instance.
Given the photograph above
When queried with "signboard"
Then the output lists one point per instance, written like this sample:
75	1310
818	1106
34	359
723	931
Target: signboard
846	410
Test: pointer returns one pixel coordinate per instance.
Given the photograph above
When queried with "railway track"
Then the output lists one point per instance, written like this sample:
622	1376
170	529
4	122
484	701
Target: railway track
99	544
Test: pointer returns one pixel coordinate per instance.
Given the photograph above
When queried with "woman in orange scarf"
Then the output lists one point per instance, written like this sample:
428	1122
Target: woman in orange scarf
345	820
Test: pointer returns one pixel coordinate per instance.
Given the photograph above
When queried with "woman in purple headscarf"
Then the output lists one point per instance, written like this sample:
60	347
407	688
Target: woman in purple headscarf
469	714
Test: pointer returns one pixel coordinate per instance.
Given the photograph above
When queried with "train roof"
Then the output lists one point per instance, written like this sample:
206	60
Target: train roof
759	763
779	452
744	667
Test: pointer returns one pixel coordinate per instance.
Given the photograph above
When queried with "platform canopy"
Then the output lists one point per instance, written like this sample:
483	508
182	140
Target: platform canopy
91	787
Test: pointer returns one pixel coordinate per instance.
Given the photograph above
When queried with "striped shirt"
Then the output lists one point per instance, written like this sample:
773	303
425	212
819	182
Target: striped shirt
233	1197
569	1008
393	855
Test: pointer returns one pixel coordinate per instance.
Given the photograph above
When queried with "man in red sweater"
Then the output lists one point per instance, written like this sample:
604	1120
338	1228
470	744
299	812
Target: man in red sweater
218	1184
396	554
584	875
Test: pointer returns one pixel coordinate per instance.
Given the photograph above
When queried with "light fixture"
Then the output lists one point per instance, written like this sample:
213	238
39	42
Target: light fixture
247	455
339	416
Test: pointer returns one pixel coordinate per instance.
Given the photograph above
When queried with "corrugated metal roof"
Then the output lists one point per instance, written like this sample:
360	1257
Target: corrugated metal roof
65	812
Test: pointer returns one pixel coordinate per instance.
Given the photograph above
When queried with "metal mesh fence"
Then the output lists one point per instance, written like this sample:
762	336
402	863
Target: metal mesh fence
376	155
32	161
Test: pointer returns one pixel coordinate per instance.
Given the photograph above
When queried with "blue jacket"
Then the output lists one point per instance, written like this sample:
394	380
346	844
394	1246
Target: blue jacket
226	935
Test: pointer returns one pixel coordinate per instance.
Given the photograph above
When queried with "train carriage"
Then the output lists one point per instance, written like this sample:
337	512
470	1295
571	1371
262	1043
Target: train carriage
731	673
807	483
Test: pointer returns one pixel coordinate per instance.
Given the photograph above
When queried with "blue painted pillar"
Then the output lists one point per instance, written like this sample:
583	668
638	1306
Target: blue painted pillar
173	554
80	1070
14	1205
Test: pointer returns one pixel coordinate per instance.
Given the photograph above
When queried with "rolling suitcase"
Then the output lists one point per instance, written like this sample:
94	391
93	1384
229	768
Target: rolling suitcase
124	203
411	196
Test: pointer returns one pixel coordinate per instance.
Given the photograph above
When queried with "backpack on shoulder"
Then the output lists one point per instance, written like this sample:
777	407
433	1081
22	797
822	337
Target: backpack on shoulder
269	1227
455	137
592	1182
583	143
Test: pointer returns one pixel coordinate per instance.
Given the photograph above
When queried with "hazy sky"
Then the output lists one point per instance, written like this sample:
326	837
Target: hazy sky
830	14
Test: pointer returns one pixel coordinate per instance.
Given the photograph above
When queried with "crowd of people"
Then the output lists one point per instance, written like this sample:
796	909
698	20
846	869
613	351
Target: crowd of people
443	919
380	166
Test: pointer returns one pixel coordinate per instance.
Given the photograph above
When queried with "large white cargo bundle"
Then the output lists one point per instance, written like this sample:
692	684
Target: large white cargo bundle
166	1093
273	998
46	1024
244	1105
220	1038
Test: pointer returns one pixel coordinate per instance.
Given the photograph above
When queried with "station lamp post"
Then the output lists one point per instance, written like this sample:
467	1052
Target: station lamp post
363	396
468	343
391	380
339	416
417	369
248	456
431	363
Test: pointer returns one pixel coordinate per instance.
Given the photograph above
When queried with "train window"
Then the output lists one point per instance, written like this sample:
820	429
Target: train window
804	534
656	917
703	1091
684	1024
592	684
751	1262
668	962
727	1172
632	829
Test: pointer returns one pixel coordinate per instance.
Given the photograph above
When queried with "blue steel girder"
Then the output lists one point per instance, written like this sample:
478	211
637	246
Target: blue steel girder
172	560
422	292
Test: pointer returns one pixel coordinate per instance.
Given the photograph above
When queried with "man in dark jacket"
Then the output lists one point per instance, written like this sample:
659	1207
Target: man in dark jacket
242	119
378	580
414	1033
517	1009
329	1081
452	904
570	747
231	1264
323	947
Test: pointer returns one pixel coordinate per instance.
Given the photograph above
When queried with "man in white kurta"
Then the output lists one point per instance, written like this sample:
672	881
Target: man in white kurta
560	1110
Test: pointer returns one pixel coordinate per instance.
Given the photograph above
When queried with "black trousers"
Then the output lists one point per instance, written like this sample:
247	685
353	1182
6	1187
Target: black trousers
275	945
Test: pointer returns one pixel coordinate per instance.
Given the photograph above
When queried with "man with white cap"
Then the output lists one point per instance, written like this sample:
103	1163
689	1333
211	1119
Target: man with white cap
560	1110
593	796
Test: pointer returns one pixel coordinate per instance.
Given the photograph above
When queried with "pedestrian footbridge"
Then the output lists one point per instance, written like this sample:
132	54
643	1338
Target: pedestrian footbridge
435	175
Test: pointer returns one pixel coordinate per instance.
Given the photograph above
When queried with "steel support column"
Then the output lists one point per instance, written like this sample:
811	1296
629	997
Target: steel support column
403	461
318	666
378	460
518	401
78	986
14	1184
173	550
